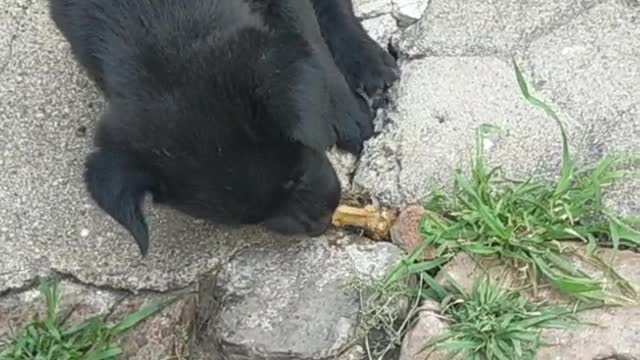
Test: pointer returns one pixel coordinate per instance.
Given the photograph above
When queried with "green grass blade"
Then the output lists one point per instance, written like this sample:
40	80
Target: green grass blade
621	231
110	353
566	174
140	316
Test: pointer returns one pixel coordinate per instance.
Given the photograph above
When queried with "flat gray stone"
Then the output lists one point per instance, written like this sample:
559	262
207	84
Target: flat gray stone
592	74
293	300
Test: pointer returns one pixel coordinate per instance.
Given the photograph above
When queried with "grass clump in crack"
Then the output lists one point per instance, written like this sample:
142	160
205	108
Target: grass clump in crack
530	223
51	339
491	322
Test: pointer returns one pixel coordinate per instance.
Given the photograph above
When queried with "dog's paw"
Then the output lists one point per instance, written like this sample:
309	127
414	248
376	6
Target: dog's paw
367	66
352	119
355	127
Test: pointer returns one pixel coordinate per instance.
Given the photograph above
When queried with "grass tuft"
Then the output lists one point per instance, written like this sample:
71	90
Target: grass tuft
51	339
492	323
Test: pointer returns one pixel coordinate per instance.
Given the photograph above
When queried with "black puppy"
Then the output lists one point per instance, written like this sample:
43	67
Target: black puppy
223	109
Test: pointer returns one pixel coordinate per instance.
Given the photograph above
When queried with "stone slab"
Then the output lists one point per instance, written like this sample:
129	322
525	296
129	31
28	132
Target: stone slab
296	300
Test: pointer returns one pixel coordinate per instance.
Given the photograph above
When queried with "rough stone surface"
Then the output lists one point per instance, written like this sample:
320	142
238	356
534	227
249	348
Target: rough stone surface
613	337
407	12
431	131
382	29
618	333
428	325
590	74
345	165
464	269
293	301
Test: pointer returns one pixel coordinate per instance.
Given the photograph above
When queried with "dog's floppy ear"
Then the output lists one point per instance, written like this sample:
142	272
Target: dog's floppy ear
118	186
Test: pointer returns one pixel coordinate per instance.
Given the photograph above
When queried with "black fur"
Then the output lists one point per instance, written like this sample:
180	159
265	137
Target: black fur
223	109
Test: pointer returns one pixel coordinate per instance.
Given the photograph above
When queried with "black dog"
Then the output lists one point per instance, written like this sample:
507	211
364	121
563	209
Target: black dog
223	109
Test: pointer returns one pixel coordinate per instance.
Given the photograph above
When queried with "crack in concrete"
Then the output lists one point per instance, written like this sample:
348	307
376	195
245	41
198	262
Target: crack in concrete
373	16
540	32
4	66
69	277
58	275
52	273
398	160
121	294
28	285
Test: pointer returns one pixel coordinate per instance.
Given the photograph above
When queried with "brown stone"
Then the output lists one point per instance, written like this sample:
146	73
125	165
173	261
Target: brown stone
405	232
428	325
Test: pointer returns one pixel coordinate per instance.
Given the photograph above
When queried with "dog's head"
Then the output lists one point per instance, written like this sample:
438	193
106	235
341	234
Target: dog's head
239	142
288	197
